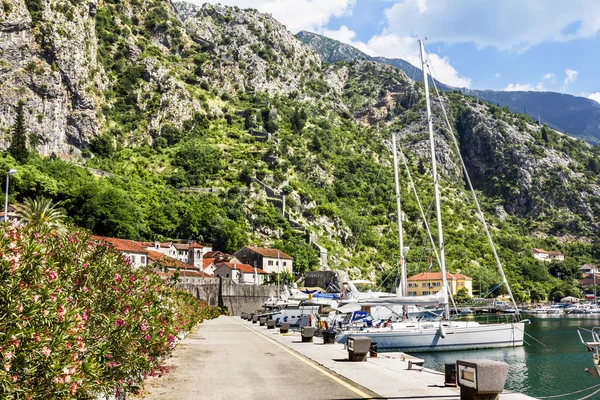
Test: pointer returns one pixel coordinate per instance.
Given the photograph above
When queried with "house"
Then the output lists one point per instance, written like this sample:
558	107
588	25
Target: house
548	256
588	269
168	266
208	266
134	251
11	214
589	280
166	248
240	273
431	282
269	260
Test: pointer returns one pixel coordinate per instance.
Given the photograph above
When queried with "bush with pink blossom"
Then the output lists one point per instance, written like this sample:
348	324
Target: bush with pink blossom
76	320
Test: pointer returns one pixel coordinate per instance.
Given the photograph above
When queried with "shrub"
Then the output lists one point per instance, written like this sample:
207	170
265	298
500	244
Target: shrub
78	321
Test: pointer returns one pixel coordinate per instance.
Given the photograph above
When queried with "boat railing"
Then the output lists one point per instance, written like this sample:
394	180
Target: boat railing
489	318
594	333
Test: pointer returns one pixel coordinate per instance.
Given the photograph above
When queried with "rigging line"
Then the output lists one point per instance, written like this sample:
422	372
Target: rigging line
522	330
467	177
568	394
590	395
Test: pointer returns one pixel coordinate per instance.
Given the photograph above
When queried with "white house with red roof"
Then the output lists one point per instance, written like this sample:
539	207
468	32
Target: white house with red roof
169	266
267	259
134	251
548	256
240	273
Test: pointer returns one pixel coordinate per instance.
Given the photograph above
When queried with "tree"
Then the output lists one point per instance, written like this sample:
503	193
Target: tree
462	296
18	143
41	212
298	120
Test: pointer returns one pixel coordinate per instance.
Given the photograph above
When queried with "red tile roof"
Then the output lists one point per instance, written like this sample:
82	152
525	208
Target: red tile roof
169	262
181	246
244	268
437	276
196	246
125	245
267	252
206	262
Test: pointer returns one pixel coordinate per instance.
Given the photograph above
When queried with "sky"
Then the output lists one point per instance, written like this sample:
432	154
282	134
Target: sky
537	45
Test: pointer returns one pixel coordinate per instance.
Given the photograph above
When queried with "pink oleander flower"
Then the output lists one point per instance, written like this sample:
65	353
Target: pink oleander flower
46	351
119	322
117	278
147	337
85	289
144	327
8	355
51	275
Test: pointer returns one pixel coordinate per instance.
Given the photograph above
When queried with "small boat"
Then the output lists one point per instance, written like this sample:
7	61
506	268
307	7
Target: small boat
556	309
592	346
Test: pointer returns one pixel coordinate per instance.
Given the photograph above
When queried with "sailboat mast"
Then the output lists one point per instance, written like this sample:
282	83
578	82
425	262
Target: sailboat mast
436	189
403	290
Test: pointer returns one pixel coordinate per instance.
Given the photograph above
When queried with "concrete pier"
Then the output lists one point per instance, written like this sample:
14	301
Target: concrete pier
230	358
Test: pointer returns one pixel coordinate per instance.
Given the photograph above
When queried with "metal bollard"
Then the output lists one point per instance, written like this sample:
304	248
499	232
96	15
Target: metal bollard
271	324
284	327
450	374
262	321
307	333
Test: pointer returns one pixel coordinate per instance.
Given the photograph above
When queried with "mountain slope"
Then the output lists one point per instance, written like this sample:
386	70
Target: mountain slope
576	116
196	108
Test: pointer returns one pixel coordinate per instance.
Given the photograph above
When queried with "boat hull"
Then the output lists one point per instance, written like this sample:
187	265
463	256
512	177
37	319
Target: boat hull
449	339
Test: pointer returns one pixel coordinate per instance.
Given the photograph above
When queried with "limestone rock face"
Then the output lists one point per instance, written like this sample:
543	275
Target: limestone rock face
255	51
55	76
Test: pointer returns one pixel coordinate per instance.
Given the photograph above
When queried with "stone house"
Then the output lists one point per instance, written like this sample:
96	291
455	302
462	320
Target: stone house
548	256
269	260
588	269
240	273
427	283
134	251
187	273
166	248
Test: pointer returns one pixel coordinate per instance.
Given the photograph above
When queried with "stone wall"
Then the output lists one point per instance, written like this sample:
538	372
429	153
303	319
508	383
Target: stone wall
238	298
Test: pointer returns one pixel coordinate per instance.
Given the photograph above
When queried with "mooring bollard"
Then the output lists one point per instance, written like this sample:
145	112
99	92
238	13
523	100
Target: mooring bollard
284	327
373	350
328	336
358	347
243	316
271	324
307	333
481	379
254	318
262	321
450	374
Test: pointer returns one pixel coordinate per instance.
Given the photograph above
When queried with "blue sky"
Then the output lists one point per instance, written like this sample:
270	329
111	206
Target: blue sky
543	45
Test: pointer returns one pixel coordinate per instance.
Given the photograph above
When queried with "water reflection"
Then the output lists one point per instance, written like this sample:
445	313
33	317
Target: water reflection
551	363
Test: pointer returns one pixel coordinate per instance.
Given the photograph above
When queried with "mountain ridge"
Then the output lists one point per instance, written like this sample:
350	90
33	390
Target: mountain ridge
574	115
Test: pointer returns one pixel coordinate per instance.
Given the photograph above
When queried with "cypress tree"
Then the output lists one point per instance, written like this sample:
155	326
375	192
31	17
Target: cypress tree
18	143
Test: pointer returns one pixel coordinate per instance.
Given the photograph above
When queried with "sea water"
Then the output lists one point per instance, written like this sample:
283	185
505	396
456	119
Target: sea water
551	363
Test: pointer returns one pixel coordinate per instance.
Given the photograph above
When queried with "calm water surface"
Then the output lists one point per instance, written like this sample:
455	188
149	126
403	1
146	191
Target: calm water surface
555	368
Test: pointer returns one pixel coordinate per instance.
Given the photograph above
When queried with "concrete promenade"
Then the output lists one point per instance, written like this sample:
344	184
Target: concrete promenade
230	358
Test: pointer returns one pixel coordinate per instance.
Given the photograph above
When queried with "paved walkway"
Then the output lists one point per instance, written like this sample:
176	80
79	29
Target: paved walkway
229	358
225	359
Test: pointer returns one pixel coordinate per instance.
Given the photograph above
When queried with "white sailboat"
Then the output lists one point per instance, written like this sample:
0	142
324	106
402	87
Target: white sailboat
443	335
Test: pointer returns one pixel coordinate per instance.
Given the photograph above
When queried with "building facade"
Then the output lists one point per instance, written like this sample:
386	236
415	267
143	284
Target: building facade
269	260
427	283
548	256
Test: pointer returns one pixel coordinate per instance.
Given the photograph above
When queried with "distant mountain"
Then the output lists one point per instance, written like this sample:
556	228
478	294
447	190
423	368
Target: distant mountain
576	116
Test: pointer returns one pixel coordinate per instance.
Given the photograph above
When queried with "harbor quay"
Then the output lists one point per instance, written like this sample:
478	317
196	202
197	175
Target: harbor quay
233	358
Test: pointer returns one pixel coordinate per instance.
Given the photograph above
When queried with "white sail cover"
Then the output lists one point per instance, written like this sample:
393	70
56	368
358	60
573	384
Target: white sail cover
433	299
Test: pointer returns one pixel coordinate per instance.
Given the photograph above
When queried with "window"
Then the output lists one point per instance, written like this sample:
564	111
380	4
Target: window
425	285
143	259
425	293
412	293
461	284
270	262
227	276
437	284
284	263
132	259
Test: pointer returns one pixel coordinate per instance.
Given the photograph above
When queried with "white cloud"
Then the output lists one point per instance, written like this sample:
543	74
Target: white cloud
508	24
549	75
571	77
497	75
540	87
297	15
517	87
595	97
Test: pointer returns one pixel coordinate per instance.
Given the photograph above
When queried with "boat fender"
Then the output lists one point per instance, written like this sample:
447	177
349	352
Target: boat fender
442	331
